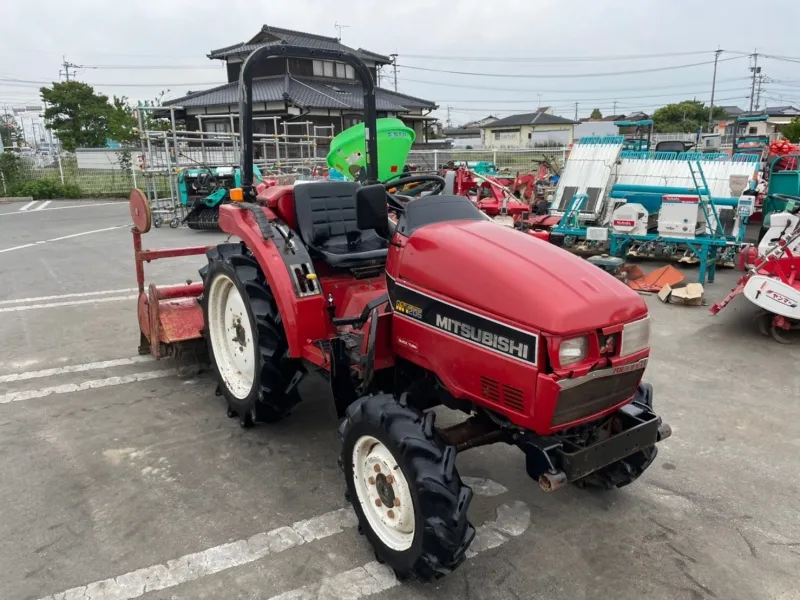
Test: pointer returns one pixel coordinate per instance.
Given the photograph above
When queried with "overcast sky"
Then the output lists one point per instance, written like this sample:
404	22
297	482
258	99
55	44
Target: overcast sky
528	39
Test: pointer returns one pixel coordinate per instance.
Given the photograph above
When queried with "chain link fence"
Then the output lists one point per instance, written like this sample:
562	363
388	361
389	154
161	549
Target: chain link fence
107	172
523	160
65	176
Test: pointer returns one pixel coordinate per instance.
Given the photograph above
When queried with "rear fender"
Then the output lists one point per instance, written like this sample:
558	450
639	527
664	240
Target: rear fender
303	313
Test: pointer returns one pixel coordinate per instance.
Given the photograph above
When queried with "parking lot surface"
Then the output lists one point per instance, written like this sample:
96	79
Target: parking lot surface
122	480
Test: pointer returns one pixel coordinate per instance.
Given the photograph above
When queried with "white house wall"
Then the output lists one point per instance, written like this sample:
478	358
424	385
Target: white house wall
99	159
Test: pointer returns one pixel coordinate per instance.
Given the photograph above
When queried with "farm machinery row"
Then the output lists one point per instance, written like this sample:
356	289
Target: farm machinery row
394	299
771	278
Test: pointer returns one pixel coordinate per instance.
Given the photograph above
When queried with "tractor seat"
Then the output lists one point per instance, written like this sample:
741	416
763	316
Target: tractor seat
326	222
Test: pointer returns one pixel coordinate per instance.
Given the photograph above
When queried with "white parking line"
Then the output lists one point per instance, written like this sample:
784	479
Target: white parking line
92	366
65	237
68	303
93	384
75	295
74	235
92	205
373	577
17	247
220	558
511	518
28	205
43	206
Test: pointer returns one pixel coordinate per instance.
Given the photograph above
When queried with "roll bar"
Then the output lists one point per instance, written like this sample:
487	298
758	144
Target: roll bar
286	51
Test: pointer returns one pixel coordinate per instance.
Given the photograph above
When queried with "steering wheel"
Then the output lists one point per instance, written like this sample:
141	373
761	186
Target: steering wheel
434	183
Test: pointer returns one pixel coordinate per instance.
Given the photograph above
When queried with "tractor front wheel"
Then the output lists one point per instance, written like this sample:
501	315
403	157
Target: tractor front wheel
404	487
246	341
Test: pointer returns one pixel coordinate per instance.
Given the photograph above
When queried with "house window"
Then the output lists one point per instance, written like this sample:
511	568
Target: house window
505	135
327	68
752	131
218	127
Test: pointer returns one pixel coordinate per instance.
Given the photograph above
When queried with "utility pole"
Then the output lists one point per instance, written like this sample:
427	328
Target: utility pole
758	91
67	66
713	89
394	65
576	111
539	98
614	110
449	121
756	70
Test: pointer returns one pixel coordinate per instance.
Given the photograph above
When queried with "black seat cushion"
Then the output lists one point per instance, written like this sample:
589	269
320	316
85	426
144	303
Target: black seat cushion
326	220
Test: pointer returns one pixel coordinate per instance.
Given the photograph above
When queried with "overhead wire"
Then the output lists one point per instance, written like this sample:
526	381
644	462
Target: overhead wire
543	59
568	75
536	90
606	98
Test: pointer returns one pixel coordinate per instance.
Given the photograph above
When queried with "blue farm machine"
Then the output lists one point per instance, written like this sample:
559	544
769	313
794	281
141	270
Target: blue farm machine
204	189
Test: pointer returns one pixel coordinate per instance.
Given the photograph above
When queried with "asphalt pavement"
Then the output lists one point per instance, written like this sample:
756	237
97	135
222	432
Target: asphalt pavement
122	480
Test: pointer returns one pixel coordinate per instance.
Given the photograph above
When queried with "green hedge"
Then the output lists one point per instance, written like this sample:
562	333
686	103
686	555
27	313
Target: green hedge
45	189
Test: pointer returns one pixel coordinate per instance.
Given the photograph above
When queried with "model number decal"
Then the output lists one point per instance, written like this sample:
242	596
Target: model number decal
639	364
408	309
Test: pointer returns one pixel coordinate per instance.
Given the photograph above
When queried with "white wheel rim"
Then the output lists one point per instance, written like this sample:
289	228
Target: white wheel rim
379	480
231	336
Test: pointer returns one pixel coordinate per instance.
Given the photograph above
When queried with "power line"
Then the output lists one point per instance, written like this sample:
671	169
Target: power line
155	67
34	83
537	100
568	75
571	106
545	59
583	90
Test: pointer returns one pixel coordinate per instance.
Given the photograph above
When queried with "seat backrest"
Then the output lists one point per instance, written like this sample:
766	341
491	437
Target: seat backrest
325	209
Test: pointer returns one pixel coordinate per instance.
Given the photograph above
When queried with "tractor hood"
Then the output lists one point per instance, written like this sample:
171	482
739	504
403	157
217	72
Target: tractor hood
517	277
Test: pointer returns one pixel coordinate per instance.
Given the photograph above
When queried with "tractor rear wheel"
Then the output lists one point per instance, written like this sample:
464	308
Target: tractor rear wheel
404	487
246	341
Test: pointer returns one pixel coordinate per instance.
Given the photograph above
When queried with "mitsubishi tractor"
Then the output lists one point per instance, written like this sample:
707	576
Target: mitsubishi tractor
405	304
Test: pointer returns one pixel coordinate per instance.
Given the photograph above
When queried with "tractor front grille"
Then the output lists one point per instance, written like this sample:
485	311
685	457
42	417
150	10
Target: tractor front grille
507	395
594	396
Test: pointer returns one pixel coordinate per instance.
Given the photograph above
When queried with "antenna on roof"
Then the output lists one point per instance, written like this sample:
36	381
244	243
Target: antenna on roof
339	29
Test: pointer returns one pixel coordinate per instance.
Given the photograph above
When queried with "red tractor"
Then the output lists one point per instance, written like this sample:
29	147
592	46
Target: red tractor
403	315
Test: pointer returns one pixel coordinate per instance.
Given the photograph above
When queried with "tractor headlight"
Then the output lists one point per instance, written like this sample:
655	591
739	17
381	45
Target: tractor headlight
573	351
635	336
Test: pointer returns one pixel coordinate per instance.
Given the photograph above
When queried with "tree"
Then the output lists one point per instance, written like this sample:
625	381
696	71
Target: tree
792	130
9	130
684	117
121	124
596	114
79	116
